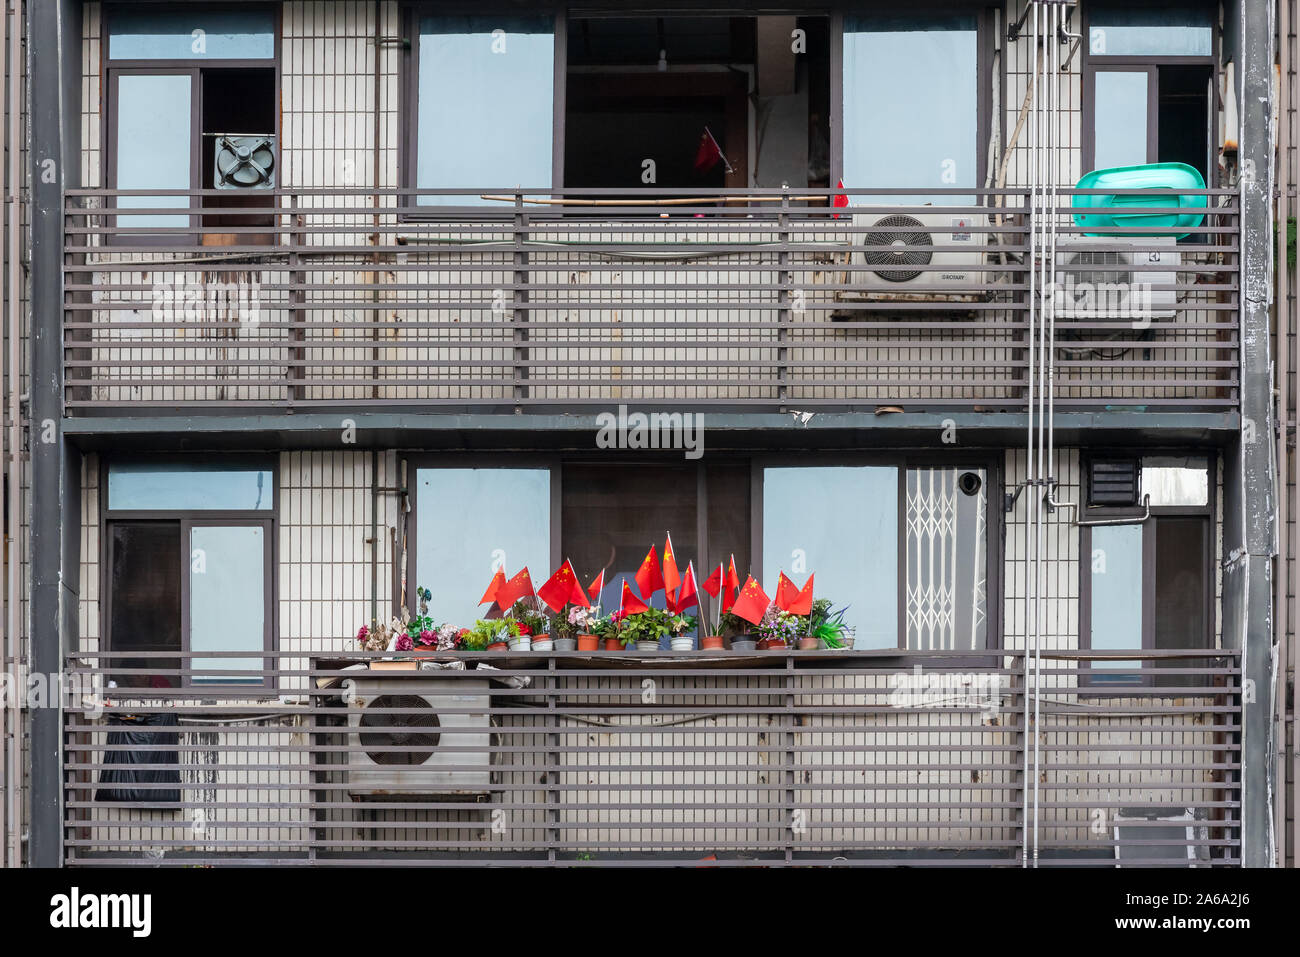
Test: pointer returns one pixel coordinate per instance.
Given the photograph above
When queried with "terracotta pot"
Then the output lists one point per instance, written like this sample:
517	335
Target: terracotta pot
588	642
763	644
775	644
809	644
711	643
613	644
498	646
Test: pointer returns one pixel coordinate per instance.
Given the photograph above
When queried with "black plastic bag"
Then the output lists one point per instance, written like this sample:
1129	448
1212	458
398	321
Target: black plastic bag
117	784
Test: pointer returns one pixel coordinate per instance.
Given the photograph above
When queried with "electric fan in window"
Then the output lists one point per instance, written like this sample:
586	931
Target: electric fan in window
244	162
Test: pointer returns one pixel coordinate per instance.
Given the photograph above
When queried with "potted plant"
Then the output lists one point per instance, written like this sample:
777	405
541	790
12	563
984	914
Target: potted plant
825	628
778	628
735	629
609	630
678	627
571	624
493	634
532	624
645	629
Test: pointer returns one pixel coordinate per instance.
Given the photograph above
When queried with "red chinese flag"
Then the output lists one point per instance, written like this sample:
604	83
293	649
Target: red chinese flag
786	592
802	604
672	576
596	587
752	603
689	596
841	200
515	589
494	587
648	577
708	155
561	588
732	583
628	602
713	584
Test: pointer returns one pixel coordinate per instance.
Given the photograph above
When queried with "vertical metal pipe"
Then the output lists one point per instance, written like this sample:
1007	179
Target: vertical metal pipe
1283	311
14	445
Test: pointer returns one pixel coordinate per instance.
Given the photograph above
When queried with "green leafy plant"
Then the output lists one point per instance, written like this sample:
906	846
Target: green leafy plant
488	631
681	624
649	625
827	625
526	612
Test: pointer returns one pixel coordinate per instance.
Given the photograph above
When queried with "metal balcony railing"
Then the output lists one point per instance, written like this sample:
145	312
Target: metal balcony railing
847	757
755	300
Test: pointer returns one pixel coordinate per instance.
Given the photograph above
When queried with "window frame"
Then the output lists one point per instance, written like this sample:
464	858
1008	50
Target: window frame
994	526
408	99
1208	512
1091	64
111	69
985	24
186	519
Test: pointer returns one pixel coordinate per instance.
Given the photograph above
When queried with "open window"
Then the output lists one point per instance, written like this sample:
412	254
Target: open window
696	101
192	105
1149	86
188	567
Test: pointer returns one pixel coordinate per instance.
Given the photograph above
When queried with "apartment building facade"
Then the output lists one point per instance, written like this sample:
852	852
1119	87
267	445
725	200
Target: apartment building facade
331	302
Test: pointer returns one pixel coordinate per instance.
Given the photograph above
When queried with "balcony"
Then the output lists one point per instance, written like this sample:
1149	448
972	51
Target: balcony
857	758
753	300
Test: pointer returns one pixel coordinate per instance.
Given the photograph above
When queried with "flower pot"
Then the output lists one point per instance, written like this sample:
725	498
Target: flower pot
586	642
742	643
776	644
684	643
647	646
542	643
569	644
711	643
763	644
809	644
498	646
522	643
613	644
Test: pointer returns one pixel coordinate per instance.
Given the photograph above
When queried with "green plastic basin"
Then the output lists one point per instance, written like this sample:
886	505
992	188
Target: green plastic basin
1108	212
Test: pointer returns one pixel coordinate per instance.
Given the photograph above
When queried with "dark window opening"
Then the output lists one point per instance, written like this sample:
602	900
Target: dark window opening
676	102
1183	133
145	598
238	152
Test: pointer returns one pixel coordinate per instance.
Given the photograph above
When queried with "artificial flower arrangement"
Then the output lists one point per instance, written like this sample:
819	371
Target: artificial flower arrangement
573	620
531	621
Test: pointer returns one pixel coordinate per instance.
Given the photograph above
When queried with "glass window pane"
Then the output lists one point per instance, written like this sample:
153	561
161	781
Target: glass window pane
842	525
1181	481
148	487
947	572
1120	119
896	69
486	104
144	598
1116	600
153	144
612	515
1142	30
197	34
468	523
227	597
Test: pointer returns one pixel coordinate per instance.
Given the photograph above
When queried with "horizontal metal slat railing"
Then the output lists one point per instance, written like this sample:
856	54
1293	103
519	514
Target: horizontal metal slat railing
852	758
749	300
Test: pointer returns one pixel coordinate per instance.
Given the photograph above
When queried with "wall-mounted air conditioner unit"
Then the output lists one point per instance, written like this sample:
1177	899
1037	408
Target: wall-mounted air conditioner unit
427	705
912	240
243	161
1095	279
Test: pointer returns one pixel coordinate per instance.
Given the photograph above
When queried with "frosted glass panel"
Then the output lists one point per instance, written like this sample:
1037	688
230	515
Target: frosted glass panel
197	34
145	487
468	521
486	105
153	144
1120	119
842	524
1116	602
1131	30
227	596
899	69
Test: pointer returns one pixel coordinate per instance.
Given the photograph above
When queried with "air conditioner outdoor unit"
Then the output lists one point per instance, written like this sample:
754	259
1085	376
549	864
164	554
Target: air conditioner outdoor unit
1095	278
243	161
912	238
428	705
